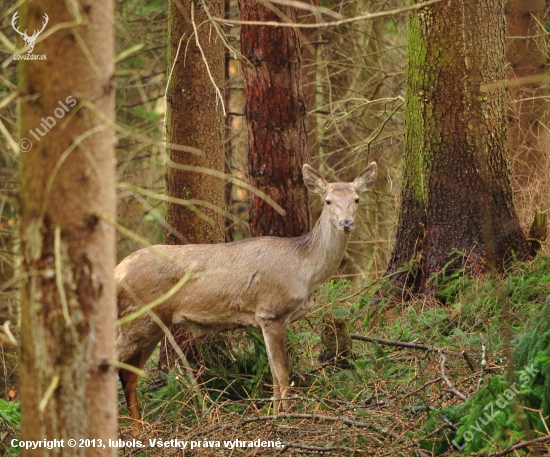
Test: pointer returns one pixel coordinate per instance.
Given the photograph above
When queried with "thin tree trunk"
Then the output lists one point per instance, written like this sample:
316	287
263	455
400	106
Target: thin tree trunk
195	118
229	229
309	76
68	310
8	253
457	207
276	121
528	138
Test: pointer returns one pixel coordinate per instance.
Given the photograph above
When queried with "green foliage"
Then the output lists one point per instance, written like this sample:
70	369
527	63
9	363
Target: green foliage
506	410
533	349
11	412
500	414
10	418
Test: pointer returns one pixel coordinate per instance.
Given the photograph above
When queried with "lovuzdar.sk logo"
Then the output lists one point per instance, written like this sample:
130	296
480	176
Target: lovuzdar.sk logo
30	40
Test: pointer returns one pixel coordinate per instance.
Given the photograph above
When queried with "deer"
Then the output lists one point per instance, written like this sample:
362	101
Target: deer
266	283
30	41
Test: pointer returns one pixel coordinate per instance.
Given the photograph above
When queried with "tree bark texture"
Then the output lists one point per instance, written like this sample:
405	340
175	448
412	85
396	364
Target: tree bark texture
195	118
309	75
528	138
229	229
276	120
68	309
9	302
456	192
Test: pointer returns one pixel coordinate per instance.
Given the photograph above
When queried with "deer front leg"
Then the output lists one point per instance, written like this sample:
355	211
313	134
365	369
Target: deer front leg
274	335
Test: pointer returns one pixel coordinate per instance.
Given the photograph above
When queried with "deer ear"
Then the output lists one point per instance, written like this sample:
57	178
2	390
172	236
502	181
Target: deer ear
313	180
366	178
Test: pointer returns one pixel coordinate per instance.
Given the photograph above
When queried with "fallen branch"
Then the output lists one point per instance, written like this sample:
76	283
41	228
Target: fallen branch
317	448
344	420
449	384
525	444
468	361
356	336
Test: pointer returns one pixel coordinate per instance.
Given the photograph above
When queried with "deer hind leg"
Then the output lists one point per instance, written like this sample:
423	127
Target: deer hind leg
129	382
274	335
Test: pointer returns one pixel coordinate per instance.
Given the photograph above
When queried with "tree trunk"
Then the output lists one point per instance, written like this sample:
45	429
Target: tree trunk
528	138
195	118
457	204
68	310
229	228
276	121
309	76
8	255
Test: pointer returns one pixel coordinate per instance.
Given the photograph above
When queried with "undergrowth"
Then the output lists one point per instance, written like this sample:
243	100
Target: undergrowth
489	338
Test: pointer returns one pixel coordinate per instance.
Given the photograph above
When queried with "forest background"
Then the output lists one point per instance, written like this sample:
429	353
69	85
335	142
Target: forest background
425	399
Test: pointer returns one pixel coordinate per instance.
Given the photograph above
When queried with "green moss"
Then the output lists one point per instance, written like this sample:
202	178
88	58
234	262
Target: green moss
415	114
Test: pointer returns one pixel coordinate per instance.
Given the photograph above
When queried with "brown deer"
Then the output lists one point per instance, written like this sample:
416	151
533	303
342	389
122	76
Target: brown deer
265	282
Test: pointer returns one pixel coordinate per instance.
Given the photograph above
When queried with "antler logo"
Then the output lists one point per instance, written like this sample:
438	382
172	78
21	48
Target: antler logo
29	40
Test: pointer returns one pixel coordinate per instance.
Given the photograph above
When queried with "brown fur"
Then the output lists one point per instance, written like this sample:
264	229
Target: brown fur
265	283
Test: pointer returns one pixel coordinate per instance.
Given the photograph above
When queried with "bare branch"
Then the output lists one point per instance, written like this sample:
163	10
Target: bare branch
363	17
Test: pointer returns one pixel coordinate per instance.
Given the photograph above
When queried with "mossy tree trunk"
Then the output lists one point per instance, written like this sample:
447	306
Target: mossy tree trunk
195	118
68	310
276	120
457	206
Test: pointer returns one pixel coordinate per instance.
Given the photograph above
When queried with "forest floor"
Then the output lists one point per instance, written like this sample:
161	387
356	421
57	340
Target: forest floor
419	384
387	399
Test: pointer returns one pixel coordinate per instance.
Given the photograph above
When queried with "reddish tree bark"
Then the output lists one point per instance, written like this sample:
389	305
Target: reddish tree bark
276	121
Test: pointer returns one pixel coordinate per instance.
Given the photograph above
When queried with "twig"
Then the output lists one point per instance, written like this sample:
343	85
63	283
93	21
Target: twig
49	391
468	361
59	275
449	384
317	448
362	17
204	57
426	384
525	444
483	363
356	336
449	423
345	420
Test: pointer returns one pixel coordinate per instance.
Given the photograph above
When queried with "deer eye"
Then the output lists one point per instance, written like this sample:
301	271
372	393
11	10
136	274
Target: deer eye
357	200
328	202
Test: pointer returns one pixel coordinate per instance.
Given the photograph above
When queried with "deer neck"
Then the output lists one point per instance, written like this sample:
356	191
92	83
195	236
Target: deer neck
323	249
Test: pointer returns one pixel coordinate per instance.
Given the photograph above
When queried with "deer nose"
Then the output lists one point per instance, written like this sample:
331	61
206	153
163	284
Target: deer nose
347	225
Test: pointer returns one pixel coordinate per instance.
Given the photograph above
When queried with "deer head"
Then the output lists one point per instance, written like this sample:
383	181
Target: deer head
341	199
29	40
